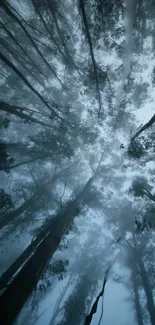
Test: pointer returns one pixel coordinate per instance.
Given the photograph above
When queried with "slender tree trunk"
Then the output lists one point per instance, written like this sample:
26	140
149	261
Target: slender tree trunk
149	195
144	127
82	8
17	55
59	30
26	205
145	282
12	15
21	48
47	29
138	307
27	218
14	214
17	112
148	292
6	168
57	307
28	275
75	306
12	66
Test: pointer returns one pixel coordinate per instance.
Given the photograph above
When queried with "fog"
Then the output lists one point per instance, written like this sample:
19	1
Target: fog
77	162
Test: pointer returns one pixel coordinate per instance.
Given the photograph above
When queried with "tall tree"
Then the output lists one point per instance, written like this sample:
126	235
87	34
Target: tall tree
37	262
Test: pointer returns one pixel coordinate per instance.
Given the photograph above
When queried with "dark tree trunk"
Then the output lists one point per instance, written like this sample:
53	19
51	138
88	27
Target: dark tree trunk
27	205
138	307
75	306
59	30
144	127
82	8
7	275
17	111
18	57
9	167
12	15
149	195
12	66
148	292
21	48
15	295
47	29
14	214
145	282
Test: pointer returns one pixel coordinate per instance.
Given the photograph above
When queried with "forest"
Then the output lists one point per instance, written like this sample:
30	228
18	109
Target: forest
77	170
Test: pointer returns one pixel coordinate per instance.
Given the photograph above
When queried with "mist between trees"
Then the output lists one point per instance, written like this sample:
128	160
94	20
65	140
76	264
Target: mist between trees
77	172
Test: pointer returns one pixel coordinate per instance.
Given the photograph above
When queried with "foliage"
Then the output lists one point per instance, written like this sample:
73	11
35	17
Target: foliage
58	269
73	72
4	122
6	203
5	158
138	186
136	150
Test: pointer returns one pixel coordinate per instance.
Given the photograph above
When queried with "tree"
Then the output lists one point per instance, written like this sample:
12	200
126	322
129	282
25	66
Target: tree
140	188
6	203
138	306
137	250
72	89
39	259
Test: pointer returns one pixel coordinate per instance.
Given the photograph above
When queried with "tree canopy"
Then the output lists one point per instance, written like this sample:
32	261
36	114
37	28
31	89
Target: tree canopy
77	165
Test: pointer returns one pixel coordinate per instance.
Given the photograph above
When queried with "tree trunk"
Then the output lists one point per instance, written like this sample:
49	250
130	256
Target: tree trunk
51	8
144	127
12	66
145	282
138	307
12	15
82	8
38	193
15	295
18	57
57	307
75	306
7	275
21	48
13	214
47	29
17	112
148	292
149	195
6	168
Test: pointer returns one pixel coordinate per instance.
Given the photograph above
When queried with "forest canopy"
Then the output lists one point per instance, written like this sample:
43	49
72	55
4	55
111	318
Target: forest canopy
77	198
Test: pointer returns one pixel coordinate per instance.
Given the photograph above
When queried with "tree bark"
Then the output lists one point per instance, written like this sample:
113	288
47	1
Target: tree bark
144	127
12	15
12	66
6	168
28	275
13	214
148	292
82	7
47	29
149	195
138	307
51	8
145	282
22	49
38	193
14	110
